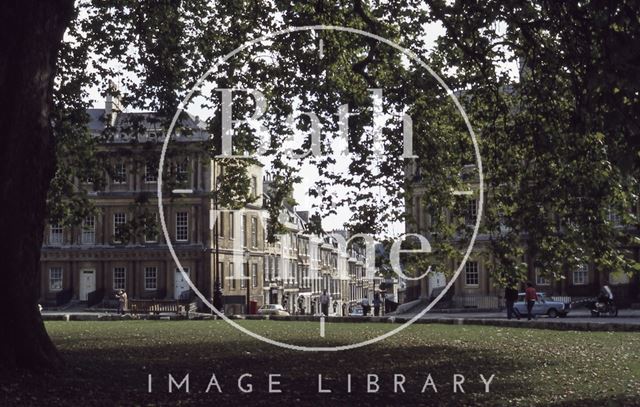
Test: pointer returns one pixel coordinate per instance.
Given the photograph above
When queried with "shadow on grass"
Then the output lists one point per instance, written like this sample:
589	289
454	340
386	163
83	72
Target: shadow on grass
604	401
120	377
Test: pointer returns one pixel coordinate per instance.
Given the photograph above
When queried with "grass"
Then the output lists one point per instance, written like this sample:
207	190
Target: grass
108	364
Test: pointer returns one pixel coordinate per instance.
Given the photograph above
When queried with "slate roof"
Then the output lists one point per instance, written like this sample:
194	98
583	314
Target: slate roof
139	122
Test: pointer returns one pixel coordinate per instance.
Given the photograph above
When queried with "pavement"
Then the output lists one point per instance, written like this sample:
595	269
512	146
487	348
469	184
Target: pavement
631	316
578	320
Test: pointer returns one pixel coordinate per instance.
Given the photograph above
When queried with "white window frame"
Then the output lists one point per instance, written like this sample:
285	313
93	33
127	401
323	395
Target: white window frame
116	279
150	174
472	211
468	272
151	276
254	186
56	234
182	226
254	275
182	171
582	272
88	232
254	232
243	230
540	280
56	275
117	223
120	173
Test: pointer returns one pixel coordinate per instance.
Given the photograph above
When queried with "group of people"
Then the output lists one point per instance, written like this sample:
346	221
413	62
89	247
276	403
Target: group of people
511	296
366	307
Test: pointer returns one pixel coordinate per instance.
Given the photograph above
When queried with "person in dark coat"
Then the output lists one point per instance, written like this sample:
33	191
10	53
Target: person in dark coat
376	304
510	297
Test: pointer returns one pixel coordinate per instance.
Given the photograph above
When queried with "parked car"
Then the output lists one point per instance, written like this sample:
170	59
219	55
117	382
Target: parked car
543	306
273	309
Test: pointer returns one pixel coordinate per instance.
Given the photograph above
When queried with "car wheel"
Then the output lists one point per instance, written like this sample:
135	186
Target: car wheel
552	313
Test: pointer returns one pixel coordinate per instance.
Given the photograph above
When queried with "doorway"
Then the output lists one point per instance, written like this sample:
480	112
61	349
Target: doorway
180	283
87	283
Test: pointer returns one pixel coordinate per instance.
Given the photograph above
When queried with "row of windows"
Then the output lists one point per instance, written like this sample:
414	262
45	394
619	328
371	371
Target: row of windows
228	217
472	275
228	277
150	175
580	276
119	278
88	235
470	214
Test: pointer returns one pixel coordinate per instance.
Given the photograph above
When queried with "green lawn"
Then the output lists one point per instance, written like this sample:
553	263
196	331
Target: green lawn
108	364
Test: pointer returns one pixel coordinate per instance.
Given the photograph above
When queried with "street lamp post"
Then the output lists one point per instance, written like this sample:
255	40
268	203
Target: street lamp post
217	286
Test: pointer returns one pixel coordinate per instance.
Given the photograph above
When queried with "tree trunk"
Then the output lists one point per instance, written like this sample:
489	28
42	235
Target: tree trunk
30	35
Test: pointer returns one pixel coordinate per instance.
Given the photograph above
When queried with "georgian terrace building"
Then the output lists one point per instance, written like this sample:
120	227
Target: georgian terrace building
475	287
89	262
300	266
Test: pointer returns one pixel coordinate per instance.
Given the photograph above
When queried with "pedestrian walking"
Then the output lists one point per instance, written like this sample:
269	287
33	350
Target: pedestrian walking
121	295
530	298
365	306
324	303
376	304
510	297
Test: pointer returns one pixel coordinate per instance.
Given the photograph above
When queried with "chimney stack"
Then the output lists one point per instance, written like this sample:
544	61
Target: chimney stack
112	104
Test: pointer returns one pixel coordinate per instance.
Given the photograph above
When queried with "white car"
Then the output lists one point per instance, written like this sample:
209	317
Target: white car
356	312
273	309
543	306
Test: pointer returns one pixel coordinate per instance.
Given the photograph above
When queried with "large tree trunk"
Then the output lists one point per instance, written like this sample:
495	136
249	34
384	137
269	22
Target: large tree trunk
30	35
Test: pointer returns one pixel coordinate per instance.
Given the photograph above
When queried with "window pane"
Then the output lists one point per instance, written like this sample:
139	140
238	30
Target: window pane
472	212
581	275
120	173
119	221
151	173
254	232
56	234
89	230
182	226
254	275
471	273
150	278
119	278
182	171
55	279
540	280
